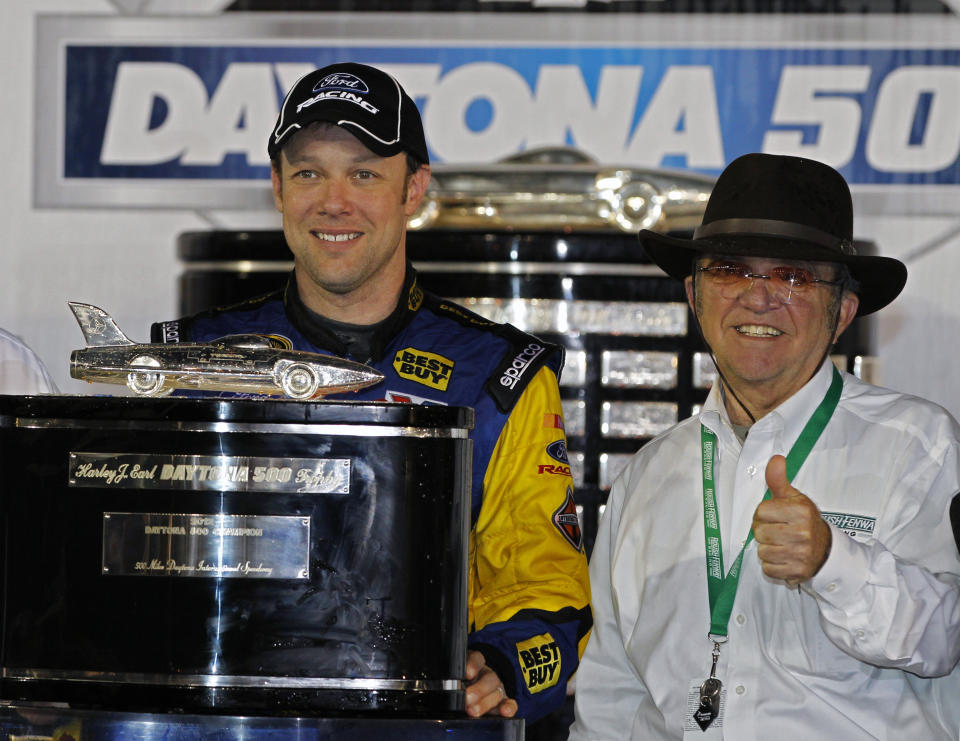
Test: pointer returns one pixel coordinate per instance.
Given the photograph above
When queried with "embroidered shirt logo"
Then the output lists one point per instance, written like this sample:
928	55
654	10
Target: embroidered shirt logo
567	521
558	451
520	364
424	367
856	526
539	662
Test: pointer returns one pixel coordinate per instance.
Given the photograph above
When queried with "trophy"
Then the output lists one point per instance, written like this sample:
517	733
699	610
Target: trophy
243	363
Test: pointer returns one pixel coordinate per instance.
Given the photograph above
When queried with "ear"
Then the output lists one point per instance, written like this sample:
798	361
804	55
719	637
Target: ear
848	310
277	187
416	188
688	286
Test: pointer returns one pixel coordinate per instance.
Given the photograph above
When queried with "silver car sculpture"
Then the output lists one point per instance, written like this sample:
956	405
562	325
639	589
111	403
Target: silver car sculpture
561	188
243	363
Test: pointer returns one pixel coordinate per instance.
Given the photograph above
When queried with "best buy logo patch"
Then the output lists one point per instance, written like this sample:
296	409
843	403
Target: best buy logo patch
424	367
539	662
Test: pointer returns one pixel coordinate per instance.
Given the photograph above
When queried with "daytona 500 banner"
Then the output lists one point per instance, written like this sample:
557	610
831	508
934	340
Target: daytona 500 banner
138	121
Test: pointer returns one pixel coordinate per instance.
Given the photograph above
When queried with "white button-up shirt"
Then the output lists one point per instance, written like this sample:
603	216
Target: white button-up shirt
867	649
21	371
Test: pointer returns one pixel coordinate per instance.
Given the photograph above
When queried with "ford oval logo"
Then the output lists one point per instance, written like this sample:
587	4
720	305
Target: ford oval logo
342	81
558	451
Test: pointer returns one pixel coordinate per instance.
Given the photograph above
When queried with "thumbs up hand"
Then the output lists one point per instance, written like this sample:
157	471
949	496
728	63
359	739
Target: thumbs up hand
793	540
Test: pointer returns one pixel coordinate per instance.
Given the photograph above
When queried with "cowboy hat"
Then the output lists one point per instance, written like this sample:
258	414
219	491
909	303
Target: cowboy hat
791	208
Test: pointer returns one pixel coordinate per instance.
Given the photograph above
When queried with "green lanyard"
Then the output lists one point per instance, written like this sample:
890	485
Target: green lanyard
721	591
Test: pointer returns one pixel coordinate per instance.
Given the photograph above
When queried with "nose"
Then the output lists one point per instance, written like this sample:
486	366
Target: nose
333	198
762	295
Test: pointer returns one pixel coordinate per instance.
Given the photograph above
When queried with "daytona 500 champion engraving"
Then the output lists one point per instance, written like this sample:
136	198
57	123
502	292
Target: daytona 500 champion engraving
245	363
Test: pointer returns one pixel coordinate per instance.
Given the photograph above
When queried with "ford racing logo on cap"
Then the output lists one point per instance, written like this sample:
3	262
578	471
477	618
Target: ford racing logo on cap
342	81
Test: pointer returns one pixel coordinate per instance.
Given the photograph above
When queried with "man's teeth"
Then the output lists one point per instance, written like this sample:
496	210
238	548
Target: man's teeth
758	330
336	237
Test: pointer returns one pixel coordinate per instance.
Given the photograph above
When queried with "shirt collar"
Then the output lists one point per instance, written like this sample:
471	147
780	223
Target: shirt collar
791	416
313	326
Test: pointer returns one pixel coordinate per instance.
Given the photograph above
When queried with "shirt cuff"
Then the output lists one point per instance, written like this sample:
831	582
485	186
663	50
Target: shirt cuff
844	573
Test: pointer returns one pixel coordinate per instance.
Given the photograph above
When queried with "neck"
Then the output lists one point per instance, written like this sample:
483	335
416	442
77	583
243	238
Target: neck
368	304
758	400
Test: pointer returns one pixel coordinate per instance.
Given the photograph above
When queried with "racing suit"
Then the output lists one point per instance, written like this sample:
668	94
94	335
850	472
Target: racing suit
528	592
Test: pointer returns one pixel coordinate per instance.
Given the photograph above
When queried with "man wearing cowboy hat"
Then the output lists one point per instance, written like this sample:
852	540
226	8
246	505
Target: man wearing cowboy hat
781	565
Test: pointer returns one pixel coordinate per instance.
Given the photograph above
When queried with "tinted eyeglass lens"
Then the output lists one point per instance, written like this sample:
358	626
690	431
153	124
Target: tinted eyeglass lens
795	277
783	282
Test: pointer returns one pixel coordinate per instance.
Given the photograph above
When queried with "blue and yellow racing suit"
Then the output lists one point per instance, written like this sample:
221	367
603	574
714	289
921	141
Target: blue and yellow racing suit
528	594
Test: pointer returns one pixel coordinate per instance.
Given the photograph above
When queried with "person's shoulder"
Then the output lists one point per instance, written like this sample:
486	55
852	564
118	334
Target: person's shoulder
218	320
478	326
678	436
511	356
897	410
666	448
24	371
11	342
14	348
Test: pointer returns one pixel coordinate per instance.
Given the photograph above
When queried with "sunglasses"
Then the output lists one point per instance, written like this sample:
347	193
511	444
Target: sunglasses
784	282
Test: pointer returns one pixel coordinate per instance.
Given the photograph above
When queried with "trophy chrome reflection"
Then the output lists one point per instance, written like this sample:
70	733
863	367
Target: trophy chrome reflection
561	188
241	363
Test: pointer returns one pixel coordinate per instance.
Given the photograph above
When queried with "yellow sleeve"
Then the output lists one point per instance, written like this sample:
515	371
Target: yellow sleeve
526	550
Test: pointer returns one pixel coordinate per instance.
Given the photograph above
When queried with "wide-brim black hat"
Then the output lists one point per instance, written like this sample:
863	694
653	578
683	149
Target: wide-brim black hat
363	100
791	208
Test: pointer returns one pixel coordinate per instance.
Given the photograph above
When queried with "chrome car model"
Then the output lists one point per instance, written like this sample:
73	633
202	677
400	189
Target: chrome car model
561	188
243	363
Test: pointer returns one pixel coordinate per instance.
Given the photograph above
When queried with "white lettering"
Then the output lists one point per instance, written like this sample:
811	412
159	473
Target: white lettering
681	119
509	98
800	101
889	145
128	138
241	109
563	105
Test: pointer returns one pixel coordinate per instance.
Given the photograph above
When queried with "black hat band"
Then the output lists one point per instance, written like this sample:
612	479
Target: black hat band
773	228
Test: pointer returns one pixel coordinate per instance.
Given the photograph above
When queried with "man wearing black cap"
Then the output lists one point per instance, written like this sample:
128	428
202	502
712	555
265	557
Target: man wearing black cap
781	565
349	166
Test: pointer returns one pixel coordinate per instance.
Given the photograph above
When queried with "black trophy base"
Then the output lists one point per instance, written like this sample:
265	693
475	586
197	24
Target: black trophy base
36	721
152	698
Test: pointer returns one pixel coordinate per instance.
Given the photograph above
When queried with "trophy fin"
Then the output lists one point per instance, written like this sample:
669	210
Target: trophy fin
98	326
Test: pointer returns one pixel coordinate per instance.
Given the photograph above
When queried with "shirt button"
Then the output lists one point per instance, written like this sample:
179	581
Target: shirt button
831	587
751	471
741	689
741	619
860	634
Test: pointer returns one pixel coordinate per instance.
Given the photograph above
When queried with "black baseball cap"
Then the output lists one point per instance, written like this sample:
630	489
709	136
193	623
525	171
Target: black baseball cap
364	100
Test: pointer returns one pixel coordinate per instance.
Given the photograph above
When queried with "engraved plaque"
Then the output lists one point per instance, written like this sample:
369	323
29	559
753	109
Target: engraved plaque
210	473
305	557
213	546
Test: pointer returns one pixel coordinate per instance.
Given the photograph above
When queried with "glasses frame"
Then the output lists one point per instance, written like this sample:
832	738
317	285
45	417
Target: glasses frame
747	280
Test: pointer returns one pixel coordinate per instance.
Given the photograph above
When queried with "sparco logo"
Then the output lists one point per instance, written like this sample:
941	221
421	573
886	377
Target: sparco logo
171	332
519	365
342	81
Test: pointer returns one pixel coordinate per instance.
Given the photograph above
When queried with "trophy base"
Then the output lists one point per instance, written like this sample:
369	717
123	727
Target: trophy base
267	701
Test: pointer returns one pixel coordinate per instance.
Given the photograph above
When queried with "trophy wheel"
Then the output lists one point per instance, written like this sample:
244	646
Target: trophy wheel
300	381
145	383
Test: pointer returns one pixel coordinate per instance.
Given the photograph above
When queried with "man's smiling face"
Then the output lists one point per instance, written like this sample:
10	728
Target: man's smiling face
344	211
762	344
